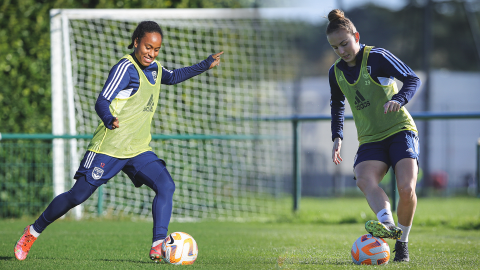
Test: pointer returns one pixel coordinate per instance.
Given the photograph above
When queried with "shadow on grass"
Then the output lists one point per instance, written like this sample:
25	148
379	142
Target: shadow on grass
100	260
2	258
129	261
290	262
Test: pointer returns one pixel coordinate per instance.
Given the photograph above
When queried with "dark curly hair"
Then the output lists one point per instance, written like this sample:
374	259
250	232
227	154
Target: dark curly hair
142	28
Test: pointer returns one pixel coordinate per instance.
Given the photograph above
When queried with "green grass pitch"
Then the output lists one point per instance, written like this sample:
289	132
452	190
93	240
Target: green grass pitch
445	235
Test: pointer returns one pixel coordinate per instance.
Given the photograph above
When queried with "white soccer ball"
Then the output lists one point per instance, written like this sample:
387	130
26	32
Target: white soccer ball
179	248
368	249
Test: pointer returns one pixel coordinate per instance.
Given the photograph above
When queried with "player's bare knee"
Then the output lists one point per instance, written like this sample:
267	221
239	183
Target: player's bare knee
365	183
406	192
360	184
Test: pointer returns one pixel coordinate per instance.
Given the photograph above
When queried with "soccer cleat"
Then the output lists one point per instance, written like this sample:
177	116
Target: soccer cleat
155	253
23	245
401	252
383	230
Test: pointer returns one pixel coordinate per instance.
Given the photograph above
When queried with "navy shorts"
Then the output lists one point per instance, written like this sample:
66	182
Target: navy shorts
403	144
99	168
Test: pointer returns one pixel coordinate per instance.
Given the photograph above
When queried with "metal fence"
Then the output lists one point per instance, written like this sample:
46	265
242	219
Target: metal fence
26	162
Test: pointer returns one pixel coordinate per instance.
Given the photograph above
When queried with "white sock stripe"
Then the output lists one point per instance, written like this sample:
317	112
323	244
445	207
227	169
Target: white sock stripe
399	65
125	68
117	78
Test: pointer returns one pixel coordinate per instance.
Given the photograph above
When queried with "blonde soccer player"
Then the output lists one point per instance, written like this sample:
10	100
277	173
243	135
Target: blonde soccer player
126	106
387	134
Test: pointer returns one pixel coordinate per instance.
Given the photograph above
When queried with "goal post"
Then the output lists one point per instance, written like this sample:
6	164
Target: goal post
224	164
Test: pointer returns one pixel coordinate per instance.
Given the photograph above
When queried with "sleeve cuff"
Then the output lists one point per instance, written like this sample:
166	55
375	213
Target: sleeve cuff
337	136
210	60
109	122
398	100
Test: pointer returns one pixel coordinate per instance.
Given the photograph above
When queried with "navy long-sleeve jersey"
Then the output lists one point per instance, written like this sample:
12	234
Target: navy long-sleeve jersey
383	67
123	81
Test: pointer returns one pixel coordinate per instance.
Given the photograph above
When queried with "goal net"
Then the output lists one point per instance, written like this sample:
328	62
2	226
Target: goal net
225	165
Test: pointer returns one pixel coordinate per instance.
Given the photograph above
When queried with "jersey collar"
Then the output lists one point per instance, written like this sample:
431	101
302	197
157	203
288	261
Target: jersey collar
142	67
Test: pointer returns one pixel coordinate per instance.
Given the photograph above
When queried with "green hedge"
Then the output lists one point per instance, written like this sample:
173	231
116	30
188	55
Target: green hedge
26	173
25	94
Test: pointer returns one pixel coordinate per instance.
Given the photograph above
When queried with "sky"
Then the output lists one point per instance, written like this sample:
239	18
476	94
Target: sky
316	10
344	4
327	5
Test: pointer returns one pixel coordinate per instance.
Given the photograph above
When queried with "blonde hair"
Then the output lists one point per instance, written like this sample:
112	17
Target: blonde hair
337	21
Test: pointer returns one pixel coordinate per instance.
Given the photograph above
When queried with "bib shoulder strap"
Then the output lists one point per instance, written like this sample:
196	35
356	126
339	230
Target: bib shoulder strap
366	53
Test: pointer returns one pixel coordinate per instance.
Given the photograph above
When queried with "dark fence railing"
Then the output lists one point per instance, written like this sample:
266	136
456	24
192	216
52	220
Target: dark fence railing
296	122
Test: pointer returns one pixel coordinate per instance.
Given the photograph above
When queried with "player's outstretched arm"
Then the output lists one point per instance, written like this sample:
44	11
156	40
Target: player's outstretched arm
216	57
170	77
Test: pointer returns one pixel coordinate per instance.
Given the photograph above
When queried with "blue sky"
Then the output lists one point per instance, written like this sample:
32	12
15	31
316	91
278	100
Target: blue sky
346	4
327	5
315	10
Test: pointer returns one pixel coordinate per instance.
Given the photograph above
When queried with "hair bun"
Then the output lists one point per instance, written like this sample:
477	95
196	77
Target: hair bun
335	14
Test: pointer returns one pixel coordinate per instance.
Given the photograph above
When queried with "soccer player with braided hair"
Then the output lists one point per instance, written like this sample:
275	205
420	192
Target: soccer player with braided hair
387	134
126	106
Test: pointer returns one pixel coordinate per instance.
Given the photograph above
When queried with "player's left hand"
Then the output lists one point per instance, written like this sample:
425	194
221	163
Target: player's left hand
115	123
217	60
391	106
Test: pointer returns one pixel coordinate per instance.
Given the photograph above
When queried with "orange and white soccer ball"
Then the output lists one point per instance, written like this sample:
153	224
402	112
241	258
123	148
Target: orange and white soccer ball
368	249
179	248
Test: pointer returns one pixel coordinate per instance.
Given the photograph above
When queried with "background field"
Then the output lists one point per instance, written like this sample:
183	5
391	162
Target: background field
446	235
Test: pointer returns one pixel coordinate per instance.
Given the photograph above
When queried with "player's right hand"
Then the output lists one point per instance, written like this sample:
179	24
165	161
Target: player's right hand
115	124
391	106
337	145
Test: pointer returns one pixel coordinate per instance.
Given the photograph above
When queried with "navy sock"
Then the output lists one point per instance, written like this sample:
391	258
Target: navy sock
156	176
61	204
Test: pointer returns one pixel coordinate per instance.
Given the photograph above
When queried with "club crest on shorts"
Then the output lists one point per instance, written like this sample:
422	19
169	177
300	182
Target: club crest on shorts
97	173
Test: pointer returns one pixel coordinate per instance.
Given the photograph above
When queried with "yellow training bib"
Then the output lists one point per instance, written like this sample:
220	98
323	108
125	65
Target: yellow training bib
135	115
366	98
